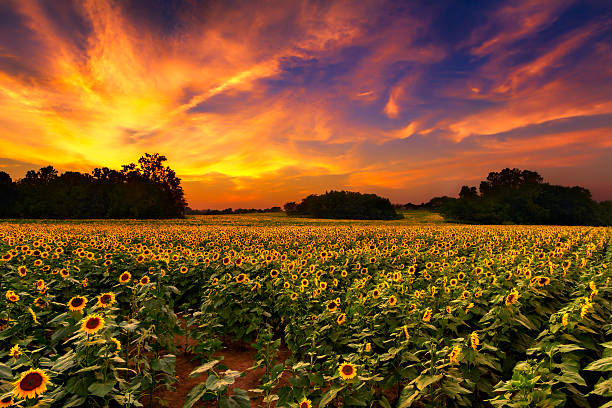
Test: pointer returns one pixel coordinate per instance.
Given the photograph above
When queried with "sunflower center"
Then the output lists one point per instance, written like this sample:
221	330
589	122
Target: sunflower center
347	370
105	299
31	382
77	302
124	277
92	323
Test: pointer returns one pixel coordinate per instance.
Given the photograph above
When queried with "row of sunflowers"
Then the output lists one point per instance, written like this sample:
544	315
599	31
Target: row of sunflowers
371	315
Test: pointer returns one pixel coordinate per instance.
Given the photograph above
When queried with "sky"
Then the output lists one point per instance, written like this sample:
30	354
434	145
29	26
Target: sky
259	103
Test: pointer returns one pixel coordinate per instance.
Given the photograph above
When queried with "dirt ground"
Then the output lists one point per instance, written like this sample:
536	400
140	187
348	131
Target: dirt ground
236	356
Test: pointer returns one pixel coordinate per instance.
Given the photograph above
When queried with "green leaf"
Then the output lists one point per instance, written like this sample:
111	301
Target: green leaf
6	372
329	396
194	395
604	364
101	389
203	368
241	397
423	381
65	362
566	348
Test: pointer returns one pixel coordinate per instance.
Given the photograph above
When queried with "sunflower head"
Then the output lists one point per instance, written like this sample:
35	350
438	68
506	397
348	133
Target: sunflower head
347	371
305	403
77	303
31	383
92	324
145	280
6	401
106	300
125	277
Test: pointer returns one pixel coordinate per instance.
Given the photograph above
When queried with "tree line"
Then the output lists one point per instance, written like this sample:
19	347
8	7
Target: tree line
344	205
147	189
227	211
513	196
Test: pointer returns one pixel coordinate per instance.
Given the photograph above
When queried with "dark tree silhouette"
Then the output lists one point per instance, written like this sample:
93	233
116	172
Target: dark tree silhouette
516	196
146	190
344	205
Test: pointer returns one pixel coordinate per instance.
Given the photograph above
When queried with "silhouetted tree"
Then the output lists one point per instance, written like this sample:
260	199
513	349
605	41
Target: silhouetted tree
344	205
149	190
521	197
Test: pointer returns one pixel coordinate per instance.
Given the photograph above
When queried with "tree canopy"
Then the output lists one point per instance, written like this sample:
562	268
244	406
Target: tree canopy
344	205
144	190
513	196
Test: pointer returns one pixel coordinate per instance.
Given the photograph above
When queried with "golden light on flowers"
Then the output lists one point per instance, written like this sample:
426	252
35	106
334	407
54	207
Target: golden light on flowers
341	318
92	324
474	340
183	269
565	319
117	344
145	280
22	270
427	315
15	352
33	315
125	277
30	384
454	355
106	300
368	347
6	401
512	297
347	371
12	296
305	403
392	301
77	303
332	305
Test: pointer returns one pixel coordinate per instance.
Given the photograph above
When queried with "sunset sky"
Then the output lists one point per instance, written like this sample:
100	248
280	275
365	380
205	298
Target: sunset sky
260	103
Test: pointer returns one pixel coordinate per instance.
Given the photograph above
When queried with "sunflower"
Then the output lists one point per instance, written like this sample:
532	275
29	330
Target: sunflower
454	355
15	352
183	269
32	314
125	277
347	371
332	305
117	344
368	347
6	401
274	273
392	301
565	319
31	383
512	297
294	296
40	303
543	280
427	315
22	270
376	293
305	403
106	300
341	319
77	303
474	340
92	324
241	278
145	280
12	296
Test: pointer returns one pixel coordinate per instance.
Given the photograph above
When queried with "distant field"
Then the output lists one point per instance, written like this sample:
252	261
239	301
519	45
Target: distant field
304	312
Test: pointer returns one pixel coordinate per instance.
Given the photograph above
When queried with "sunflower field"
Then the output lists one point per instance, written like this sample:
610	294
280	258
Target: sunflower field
371	314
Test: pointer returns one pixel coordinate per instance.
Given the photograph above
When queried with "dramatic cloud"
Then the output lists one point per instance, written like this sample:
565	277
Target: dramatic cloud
260	103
